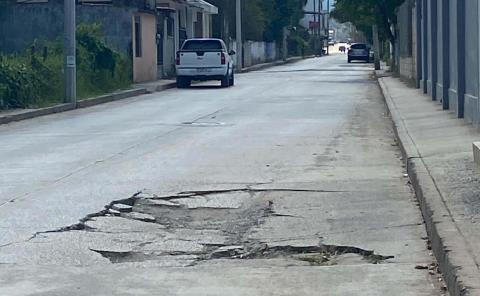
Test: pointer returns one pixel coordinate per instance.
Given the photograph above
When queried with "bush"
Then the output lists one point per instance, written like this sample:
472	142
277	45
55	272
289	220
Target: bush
35	78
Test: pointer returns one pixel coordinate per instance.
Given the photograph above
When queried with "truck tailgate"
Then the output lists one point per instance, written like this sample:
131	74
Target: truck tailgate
200	59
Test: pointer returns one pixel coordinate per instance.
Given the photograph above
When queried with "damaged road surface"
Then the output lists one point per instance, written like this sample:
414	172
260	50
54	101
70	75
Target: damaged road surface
300	191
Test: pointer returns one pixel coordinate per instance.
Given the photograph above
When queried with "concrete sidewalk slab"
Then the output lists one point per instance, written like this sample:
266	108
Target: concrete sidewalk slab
437	148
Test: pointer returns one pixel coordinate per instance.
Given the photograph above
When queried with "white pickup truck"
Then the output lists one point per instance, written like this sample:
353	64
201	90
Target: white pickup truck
204	59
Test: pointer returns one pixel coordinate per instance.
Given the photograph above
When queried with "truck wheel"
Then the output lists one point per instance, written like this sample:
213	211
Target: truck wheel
232	79
183	82
226	81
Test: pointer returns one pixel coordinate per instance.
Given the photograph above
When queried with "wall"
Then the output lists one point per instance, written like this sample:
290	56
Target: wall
456	75
255	52
471	62
447	53
21	24
145	66
259	52
406	66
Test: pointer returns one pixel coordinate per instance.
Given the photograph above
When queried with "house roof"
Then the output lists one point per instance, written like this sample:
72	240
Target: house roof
204	5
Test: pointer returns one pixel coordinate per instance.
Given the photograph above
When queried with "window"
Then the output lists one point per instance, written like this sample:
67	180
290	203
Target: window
138	37
204	45
359	46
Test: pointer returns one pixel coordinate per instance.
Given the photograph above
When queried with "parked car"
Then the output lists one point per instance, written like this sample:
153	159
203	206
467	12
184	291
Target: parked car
204	59
359	52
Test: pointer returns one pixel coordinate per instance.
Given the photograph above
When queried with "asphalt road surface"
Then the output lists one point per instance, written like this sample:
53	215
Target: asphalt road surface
289	183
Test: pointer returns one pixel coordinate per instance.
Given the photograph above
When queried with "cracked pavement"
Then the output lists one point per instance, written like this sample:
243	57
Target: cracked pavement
290	183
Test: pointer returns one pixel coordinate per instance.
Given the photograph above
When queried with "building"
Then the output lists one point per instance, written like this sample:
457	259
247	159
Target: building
315	19
150	31
438	49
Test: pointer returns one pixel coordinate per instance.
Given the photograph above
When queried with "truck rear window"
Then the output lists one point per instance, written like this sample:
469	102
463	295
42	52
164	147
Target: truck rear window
205	45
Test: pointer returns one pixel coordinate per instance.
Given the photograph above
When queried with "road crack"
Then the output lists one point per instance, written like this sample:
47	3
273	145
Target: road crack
194	193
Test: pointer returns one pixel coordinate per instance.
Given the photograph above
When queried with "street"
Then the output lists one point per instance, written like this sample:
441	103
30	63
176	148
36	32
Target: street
289	183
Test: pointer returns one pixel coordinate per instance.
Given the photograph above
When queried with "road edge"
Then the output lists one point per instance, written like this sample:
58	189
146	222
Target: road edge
273	64
120	95
29	114
448	246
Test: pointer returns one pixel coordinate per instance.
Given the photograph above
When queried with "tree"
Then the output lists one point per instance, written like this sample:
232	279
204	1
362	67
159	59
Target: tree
280	14
364	13
253	19
263	20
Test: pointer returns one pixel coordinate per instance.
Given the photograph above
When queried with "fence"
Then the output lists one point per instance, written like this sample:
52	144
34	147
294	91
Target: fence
445	52
257	52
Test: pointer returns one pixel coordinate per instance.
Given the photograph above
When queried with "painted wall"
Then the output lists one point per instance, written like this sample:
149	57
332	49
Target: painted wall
454	72
448	41
145	66
259	52
471	62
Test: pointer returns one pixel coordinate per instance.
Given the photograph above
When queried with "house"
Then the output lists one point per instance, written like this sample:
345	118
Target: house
150	31
176	21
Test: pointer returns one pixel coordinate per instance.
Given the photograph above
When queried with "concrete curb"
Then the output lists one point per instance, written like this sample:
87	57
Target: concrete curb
4	119
448	245
111	97
273	64
159	87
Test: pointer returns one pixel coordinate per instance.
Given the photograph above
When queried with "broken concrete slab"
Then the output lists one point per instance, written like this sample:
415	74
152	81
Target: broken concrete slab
122	208
140	216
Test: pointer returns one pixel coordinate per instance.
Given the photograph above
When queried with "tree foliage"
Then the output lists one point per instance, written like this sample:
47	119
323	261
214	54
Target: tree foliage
263	20
280	14
364	13
34	78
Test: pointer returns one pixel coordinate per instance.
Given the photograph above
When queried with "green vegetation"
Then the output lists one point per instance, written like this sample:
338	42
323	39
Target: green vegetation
264	20
365	13
34	78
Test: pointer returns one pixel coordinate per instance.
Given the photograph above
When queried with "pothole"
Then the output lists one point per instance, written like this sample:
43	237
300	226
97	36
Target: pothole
321	255
194	226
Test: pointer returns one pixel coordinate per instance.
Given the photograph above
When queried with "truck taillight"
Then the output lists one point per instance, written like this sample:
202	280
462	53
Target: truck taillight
177	61
223	59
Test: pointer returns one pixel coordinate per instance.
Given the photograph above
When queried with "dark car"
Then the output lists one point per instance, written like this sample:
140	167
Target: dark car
359	52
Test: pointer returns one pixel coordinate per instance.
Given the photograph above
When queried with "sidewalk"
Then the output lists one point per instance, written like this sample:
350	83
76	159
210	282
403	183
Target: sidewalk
438	151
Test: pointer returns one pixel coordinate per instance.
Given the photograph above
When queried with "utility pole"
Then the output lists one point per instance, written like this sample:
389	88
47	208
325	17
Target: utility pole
376	47
328	27
70	50
320	23
314	27
239	35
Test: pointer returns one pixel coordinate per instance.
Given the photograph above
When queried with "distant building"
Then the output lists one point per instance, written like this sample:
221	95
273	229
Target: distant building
312	20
